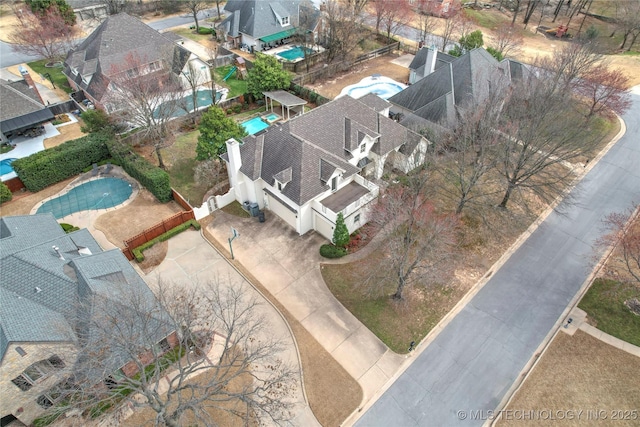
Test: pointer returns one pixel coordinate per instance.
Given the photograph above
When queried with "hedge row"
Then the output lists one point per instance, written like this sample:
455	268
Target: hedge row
137	252
151	177
330	251
308	94
5	193
45	168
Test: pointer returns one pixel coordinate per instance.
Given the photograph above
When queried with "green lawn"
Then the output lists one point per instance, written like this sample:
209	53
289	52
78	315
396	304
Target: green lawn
192	35
484	20
59	79
235	208
236	87
395	323
604	303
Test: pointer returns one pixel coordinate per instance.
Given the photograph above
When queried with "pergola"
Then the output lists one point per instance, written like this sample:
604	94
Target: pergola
288	102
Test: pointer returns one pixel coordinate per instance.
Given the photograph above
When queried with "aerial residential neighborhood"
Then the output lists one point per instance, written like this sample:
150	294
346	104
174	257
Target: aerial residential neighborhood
331	213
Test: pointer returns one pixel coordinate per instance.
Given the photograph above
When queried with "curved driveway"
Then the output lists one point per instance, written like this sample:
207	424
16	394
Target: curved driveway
479	355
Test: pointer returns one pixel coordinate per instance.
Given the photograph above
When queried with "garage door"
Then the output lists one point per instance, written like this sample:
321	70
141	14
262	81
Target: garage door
282	211
322	225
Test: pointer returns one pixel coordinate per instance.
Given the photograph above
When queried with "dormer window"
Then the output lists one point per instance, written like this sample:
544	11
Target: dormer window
279	185
334	183
284	20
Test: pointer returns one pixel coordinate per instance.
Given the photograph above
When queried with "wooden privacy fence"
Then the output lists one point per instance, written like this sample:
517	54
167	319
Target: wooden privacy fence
156	230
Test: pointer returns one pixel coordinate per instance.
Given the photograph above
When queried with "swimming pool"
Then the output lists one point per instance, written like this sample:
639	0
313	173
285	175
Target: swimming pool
271	117
254	125
99	193
296	52
203	99
382	86
5	166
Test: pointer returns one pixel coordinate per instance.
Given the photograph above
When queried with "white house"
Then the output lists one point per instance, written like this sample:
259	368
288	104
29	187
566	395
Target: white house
311	168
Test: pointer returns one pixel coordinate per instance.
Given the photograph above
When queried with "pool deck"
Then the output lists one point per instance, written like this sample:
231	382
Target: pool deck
27	146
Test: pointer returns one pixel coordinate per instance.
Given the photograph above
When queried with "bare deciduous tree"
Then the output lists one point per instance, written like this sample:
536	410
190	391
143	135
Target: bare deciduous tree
469	153
426	22
221	357
628	21
450	28
344	30
569	63
418	241
538	145
507	40
115	6
47	35
396	15
604	89
194	7
146	94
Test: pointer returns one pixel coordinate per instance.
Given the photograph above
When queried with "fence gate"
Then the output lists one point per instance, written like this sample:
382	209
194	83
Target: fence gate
211	203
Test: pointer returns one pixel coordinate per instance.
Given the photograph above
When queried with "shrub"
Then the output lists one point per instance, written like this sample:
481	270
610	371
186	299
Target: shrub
330	251
5	193
237	108
205	30
68	228
137	252
340	233
229	111
151	177
48	167
495	53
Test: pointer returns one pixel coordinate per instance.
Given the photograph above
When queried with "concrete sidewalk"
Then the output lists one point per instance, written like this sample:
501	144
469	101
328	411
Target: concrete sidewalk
191	260
288	265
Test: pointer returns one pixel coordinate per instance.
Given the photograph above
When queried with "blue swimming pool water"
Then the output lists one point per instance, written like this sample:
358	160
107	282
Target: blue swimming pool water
203	99
5	166
384	90
293	53
271	117
254	125
92	195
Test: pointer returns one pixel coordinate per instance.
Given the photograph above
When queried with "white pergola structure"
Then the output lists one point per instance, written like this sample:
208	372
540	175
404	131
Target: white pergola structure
289	103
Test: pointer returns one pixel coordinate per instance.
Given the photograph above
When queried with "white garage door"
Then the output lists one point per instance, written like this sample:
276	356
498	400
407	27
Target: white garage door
282	211
322	225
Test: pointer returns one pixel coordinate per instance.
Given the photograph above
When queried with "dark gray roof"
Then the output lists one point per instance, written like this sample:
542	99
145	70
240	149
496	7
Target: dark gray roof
420	59
107	48
468	78
310	147
373	101
258	18
41	287
16	103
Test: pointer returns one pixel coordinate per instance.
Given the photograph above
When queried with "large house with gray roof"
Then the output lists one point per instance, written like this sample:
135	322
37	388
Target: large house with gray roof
444	83
46	278
125	46
258	24
313	167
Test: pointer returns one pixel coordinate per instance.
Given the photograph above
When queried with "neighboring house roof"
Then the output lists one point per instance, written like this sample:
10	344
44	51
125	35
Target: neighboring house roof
19	107
285	98
46	274
467	78
305	151
259	18
107	48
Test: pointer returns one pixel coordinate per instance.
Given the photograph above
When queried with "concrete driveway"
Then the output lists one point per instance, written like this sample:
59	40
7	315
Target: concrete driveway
191	260
288	265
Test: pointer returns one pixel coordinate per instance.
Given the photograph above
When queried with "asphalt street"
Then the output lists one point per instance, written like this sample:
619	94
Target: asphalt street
470	366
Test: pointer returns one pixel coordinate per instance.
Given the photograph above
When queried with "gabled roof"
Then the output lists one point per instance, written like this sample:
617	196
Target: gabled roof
47	273
107	48
308	149
17	102
420	59
467	78
259	18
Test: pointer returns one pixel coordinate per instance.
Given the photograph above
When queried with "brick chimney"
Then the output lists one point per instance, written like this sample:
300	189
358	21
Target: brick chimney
27	78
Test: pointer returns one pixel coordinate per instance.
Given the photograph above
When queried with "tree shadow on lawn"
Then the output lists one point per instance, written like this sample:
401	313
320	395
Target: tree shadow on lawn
396	323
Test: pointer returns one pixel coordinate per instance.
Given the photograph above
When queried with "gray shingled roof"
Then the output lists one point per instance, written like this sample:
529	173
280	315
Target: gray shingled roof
467	78
106	49
257	18
41	287
16	102
285	98
311	146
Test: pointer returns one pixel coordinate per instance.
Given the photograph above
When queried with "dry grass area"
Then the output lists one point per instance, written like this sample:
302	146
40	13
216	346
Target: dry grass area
143	212
332	393
381	65
576	373
67	133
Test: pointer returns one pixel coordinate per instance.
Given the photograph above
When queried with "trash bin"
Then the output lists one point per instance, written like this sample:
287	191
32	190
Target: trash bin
254	209
245	205
261	216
